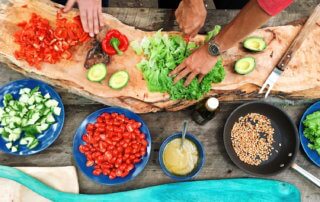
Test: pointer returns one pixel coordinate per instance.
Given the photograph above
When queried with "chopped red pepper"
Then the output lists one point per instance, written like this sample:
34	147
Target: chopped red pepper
115	43
39	42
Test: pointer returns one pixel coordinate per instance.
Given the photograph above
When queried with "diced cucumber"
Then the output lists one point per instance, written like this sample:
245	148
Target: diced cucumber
23	141
12	113
47	96
24	98
57	111
29	115
27	140
25	90
46	111
9	145
32	107
7	97
43	127
51	103
33	144
13	137
31	100
14	148
11	103
50	119
38	99
40	106
1	113
11	125
17	131
31	129
34	118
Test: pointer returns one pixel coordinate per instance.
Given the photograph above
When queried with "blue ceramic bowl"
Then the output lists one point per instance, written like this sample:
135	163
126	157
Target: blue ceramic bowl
200	163
50	135
81	159
312	154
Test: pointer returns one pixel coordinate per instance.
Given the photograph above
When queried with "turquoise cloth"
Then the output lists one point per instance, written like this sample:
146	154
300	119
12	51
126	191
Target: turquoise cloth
224	190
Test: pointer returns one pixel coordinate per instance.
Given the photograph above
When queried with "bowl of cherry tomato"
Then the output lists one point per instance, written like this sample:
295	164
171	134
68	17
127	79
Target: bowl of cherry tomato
112	146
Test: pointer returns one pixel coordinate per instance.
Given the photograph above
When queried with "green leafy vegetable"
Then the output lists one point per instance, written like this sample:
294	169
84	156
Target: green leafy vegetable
213	33
312	130
163	53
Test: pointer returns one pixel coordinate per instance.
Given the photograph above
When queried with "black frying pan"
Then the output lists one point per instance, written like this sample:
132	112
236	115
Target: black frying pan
286	143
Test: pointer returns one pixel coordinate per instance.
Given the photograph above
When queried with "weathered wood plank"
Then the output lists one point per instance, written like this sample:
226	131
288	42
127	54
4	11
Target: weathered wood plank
218	165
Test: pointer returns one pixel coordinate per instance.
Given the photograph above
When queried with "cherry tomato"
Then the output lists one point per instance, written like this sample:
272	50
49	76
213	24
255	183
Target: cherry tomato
114	144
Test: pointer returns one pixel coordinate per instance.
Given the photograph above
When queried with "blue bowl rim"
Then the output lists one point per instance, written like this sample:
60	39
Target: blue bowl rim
200	147
306	149
100	111
62	113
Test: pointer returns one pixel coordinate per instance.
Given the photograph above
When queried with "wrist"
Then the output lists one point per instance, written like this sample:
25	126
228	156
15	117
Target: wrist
218	40
194	2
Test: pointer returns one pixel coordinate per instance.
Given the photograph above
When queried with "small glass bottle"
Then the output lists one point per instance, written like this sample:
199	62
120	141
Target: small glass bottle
205	111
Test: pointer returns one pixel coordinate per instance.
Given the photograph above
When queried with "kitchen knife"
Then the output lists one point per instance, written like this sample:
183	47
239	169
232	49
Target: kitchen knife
295	45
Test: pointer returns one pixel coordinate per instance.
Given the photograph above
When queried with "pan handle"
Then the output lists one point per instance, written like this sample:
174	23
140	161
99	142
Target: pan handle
306	174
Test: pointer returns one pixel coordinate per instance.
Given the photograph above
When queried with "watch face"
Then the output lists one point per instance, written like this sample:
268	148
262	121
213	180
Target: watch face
214	50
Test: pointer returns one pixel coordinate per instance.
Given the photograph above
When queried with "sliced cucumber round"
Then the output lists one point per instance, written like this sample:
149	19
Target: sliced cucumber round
245	65
97	72
255	43
119	80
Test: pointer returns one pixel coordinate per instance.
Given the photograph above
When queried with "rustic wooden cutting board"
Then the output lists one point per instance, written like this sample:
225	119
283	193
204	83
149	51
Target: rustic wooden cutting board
300	80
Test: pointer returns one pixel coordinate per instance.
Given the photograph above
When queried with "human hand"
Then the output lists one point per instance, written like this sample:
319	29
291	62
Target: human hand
90	14
191	15
199	63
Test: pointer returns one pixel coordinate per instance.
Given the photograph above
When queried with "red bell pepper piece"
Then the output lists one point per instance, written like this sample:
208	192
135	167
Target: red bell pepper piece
115	43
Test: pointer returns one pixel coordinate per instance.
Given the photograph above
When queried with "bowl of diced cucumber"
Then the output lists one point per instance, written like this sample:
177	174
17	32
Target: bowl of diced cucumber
31	117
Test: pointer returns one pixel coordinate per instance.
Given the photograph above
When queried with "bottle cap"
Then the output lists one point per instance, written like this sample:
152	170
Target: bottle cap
212	104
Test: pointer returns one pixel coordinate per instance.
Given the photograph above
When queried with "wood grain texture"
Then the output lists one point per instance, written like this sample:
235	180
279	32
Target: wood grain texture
136	96
217	166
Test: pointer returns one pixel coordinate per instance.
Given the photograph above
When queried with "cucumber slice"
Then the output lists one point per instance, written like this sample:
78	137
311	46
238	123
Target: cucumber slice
50	119
255	43
14	148
119	80
34	118
97	72
245	65
52	103
47	96
24	98
13	137
9	145
33	144
44	127
57	111
23	141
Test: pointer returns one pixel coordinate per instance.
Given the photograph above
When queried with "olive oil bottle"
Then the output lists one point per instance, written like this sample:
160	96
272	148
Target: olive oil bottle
205	110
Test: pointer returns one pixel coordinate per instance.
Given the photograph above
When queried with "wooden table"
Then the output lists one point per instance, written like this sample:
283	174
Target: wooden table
217	166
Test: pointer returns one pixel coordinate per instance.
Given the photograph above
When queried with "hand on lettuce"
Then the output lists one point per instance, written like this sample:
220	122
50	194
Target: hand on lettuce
90	13
199	63
191	15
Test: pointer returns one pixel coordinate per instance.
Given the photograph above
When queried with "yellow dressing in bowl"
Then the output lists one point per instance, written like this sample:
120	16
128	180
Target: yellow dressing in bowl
180	161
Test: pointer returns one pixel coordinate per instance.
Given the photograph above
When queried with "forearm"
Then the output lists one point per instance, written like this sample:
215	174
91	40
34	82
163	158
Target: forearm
251	17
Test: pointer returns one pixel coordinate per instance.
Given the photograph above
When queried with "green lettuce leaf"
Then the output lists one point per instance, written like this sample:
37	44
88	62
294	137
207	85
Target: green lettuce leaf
163	53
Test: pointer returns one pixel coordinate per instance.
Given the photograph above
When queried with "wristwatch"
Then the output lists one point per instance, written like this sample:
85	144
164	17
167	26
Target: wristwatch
214	48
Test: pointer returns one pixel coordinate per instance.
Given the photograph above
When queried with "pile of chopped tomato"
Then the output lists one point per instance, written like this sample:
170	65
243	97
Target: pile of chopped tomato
113	145
39	42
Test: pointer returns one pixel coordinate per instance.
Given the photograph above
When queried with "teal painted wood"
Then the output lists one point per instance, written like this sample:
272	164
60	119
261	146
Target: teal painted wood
239	190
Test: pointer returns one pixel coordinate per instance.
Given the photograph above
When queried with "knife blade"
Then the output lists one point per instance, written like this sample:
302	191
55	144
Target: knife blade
295	45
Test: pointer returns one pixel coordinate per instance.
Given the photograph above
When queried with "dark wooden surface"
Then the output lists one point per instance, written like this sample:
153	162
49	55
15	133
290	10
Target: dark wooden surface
217	166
